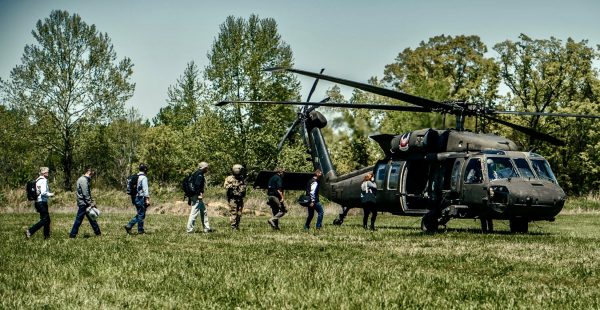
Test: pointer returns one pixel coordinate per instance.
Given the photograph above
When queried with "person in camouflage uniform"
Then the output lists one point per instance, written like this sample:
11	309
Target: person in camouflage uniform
235	185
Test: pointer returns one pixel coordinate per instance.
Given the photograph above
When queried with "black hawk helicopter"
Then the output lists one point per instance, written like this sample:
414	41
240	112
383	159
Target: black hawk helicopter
435	174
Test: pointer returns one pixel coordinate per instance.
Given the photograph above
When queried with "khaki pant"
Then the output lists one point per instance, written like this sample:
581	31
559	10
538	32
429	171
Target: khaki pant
236	205
197	208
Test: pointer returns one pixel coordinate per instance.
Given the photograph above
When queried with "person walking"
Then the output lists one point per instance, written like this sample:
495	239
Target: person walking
142	201
84	202
196	201
368	191
276	198
312	190
235	184
41	204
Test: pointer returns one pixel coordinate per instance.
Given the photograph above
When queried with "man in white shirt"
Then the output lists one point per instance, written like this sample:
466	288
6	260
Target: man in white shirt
41	204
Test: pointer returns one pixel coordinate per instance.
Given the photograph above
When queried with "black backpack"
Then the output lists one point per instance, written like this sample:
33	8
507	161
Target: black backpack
187	185
31	190
132	182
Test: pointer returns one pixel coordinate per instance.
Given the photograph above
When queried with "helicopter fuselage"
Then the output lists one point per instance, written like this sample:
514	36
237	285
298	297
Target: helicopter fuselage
463	184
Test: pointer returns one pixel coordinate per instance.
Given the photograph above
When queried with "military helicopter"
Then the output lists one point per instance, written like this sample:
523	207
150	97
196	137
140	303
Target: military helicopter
435	174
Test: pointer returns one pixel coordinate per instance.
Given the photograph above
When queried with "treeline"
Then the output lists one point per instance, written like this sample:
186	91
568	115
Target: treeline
64	105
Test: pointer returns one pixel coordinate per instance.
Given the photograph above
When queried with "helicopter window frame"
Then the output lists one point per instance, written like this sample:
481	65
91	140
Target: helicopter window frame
499	174
549	175
380	174
473	179
524	172
455	176
396	180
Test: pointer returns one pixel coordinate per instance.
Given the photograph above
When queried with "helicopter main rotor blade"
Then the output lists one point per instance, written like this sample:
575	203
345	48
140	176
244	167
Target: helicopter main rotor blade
314	86
288	133
385	107
419	101
526	130
544	114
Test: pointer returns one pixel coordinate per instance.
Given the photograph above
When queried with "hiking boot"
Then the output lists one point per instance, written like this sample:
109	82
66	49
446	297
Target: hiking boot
27	234
127	229
373	228
272	223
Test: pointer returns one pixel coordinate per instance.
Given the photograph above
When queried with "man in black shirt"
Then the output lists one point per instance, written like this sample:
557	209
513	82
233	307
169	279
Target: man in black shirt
276	198
196	201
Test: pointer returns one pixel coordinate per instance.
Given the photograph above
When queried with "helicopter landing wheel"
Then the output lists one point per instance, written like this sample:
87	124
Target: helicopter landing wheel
487	225
429	223
519	225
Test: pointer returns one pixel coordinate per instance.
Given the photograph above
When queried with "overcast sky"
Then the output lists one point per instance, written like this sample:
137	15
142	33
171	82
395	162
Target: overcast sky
350	39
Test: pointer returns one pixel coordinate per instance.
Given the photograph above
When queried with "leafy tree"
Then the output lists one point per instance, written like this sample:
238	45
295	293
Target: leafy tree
237	58
549	76
444	68
112	149
68	80
18	160
184	100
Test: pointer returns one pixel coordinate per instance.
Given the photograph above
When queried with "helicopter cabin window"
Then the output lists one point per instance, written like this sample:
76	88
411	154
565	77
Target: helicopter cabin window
394	176
380	175
455	175
473	172
523	167
500	168
542	169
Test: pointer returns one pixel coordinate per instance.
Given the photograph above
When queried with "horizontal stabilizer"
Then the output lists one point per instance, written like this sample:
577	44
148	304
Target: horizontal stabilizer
293	181
384	141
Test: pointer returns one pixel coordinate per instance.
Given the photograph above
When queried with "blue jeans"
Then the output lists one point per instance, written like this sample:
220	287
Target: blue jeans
311	213
79	219
140	216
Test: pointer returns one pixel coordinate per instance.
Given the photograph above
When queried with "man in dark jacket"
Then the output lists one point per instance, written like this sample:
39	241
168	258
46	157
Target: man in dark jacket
275	198
312	190
84	201
196	201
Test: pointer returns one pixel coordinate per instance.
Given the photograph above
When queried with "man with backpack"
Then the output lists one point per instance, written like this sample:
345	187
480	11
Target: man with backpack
42	193
142	201
84	202
196	200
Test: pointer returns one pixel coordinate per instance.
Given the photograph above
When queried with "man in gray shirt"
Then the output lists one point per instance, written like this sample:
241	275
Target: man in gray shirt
84	201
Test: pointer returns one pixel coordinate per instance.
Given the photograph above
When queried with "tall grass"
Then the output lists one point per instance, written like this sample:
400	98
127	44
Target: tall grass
397	267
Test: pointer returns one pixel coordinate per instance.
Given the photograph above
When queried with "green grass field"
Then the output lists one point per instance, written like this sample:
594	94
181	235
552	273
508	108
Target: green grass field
555	266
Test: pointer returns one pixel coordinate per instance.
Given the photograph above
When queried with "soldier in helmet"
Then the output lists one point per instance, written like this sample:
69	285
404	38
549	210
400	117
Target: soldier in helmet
235	185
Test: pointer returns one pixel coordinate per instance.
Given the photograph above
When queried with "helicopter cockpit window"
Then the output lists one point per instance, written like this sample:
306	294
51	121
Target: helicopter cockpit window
523	167
473	172
542	169
500	168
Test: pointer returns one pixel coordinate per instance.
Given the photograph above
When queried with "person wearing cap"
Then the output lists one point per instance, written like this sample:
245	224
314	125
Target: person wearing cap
235	186
275	198
142	202
84	201
41	204
196	201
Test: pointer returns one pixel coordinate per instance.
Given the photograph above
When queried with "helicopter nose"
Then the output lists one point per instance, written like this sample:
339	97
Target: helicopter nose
535	201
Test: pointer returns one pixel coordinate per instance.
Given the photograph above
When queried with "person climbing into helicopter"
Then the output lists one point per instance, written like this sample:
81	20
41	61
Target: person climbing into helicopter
368	190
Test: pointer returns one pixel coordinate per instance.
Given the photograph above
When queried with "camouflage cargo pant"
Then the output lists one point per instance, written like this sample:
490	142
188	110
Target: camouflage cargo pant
235	211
